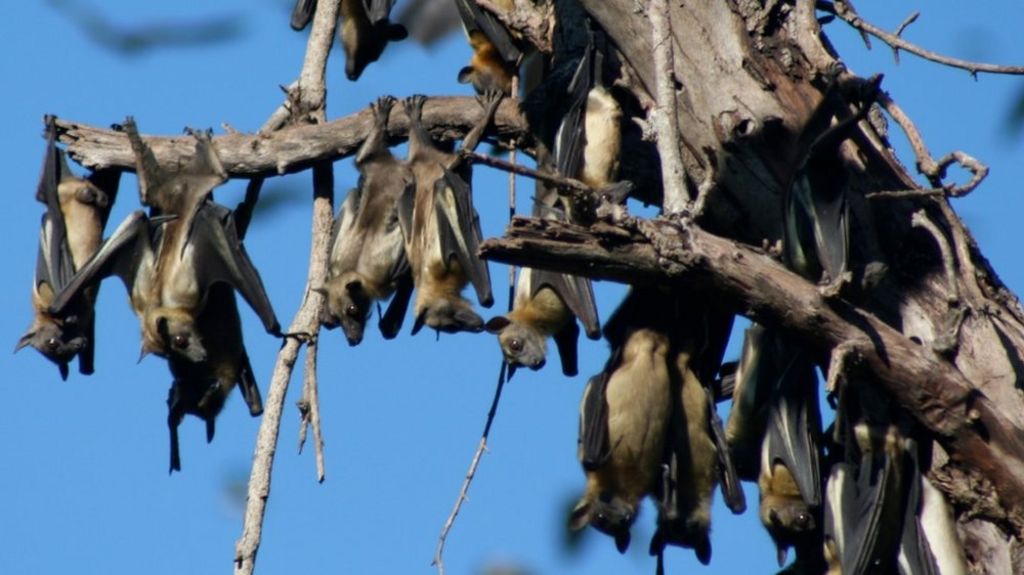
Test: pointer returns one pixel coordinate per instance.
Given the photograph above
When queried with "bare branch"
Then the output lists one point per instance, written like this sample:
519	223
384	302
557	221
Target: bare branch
470	474
965	421
293	148
546	177
843	10
309	409
664	114
306	321
935	171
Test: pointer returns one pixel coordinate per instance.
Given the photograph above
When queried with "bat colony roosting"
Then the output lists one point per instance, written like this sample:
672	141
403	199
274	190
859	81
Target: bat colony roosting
849	499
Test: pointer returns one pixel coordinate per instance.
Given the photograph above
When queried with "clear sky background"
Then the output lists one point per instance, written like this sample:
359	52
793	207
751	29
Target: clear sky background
83	463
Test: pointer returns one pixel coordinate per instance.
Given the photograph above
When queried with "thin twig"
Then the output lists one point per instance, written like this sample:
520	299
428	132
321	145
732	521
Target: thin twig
307	318
935	171
899	32
903	194
546	177
665	112
844	11
464	491
313	395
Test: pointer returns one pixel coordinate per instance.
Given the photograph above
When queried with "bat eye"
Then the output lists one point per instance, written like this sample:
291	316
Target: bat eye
180	341
516	345
52	343
352	310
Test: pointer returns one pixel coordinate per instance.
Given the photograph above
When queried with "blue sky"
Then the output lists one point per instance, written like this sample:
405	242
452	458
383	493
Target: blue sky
83	463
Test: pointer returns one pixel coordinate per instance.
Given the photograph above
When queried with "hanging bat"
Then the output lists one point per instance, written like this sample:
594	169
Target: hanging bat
169	261
624	418
756	376
364	33
429	21
697	456
441	227
589	140
790	473
495	55
71	232
816	213
546	305
874	496
368	261
201	388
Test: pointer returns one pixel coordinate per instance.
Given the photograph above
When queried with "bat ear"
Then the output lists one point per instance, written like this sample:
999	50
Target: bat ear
496	324
397	32
24	340
63	368
703	550
354	287
466	75
580	516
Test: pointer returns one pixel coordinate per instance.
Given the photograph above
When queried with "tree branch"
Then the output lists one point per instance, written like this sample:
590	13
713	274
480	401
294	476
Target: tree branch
664	114
846	12
293	148
966	422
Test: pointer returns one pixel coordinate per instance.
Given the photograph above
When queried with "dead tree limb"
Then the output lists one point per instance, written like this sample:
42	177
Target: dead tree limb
962	418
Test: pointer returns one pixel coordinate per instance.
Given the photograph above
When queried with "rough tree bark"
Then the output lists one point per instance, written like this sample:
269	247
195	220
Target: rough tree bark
924	316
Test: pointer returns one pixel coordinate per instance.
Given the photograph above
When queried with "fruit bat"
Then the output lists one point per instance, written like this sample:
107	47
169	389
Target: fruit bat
71	232
201	388
495	55
816	213
755	378
624	418
696	456
790	472
589	139
546	304
429	21
874	495
441	227
364	33
169	260
367	261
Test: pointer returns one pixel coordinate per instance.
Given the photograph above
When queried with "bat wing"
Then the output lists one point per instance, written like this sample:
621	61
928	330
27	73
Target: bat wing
570	139
595	443
55	265
247	385
302	13
794	426
871	540
406	204
458	225
915	557
219	256
566	340
474	19
121	254
391	322
820	221
732	492
152	178
577	294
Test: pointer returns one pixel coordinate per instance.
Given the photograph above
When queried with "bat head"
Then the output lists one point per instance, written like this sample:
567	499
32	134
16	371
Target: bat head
56	343
690	532
449	316
609	514
365	45
788	520
520	343
171	332
348	305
